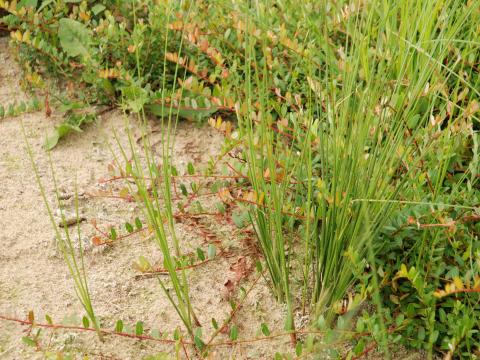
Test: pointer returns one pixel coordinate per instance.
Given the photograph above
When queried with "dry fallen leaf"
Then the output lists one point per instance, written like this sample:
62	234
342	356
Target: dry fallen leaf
224	195
48	110
96	240
240	270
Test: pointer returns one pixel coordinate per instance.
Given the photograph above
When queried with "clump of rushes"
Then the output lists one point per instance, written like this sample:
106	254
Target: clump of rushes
262	153
351	149
64	242
156	196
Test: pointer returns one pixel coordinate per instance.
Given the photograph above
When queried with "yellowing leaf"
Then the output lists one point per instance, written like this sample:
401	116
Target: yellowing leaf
84	16
472	108
458	283
111	73
124	193
26	36
177	25
224	195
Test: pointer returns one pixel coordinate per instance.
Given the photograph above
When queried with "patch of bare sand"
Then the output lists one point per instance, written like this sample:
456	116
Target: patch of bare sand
34	277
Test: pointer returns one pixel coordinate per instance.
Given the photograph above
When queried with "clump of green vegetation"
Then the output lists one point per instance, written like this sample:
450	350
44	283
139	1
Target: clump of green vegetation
23	107
357	131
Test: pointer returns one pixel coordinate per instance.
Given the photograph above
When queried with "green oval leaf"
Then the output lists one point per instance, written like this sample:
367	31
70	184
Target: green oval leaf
138	223
113	234
234	333
200	254
198	342
29	341
85	322
265	329
75	38
129	227
119	326
190	169
212	251
299	349
139	328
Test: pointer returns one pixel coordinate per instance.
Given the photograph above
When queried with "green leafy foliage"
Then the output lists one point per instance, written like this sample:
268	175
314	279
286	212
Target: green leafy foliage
29	341
73	123
199	342
75	38
129	227
434	287
113	234
201	254
240	218
212	251
76	115
16	109
233	333
190	113
265	329
85	322
138	224
119	326
139	328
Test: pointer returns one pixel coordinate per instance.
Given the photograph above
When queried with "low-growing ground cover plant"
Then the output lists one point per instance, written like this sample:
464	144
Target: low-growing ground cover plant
352	128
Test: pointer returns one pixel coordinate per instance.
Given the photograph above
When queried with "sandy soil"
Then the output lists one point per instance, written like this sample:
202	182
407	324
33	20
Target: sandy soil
33	275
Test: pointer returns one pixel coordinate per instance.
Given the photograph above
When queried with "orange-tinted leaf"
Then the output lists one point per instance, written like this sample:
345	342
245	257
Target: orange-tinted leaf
97	240
31	316
225	195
